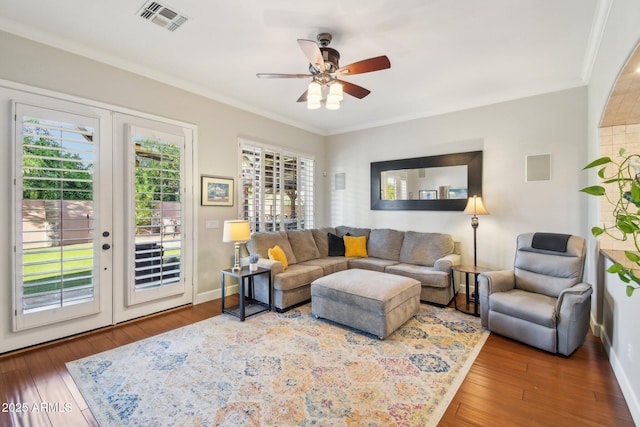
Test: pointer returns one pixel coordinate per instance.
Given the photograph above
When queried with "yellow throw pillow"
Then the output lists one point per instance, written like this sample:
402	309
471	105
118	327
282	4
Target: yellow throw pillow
355	246
277	254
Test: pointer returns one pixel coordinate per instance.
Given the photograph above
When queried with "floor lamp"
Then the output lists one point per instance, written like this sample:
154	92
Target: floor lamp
475	207
236	231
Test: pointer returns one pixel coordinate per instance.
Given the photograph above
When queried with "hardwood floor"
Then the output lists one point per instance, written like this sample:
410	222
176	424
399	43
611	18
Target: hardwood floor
509	383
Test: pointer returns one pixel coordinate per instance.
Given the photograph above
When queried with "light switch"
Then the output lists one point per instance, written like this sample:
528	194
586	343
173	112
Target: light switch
212	223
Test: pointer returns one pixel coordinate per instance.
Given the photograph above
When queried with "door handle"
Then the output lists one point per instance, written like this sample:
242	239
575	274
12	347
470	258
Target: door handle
106	246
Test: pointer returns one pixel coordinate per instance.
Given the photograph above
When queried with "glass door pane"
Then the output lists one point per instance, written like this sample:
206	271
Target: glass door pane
158	213
155	227
57	199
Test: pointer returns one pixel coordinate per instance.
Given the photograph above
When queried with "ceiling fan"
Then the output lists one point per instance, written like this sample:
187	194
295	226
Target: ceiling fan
325	71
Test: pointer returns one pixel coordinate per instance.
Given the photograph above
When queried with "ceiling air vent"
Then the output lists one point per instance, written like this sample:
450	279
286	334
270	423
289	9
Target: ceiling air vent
162	15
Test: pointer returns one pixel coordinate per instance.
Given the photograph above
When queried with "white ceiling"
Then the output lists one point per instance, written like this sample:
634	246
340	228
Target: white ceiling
446	55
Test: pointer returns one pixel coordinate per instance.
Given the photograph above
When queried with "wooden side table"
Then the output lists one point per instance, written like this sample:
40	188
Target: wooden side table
248	305
467	270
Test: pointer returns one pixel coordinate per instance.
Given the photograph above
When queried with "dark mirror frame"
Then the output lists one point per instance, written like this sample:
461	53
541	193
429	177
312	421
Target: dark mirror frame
472	159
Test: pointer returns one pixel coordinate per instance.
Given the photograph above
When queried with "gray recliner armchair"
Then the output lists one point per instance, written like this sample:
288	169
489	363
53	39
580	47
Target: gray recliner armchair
542	301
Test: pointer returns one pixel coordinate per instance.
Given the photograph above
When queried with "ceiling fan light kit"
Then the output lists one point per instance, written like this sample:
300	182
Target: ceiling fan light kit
315	96
324	72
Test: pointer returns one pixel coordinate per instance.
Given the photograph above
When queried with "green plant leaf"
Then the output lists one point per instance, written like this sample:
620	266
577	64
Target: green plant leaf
632	256
598	162
630	290
626	224
635	192
601	172
594	190
596	231
615	268
623	277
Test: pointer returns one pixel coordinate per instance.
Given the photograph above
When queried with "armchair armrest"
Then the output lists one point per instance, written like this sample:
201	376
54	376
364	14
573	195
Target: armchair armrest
573	308
446	262
575	294
492	282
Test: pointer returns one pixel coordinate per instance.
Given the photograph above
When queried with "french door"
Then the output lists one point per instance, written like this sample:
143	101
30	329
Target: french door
63	224
154	214
102	218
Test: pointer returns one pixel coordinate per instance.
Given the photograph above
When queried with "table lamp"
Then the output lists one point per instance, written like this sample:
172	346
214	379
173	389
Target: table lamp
475	207
236	231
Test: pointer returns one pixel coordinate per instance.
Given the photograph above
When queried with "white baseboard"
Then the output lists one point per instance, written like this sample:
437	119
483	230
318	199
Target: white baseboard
625	384
215	294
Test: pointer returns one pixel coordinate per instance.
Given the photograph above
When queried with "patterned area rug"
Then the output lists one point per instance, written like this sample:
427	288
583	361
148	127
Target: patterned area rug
285	369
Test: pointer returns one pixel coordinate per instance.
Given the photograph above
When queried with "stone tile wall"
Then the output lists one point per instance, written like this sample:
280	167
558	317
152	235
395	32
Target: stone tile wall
612	139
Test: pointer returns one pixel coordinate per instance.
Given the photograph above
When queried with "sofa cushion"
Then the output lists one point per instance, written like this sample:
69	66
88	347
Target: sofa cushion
261	242
296	276
321	237
426	275
329	264
529	306
277	254
355	246
425	248
385	243
336	245
303	245
375	264
343	230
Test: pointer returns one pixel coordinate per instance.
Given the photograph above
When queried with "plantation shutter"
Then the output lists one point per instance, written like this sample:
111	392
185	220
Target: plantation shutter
276	191
157	193
56	154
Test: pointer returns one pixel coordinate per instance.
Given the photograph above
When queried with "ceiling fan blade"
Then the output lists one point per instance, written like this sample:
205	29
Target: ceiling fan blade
365	66
313	54
282	76
303	97
354	90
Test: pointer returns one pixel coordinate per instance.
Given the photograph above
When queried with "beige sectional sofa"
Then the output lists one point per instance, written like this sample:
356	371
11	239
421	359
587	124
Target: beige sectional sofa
426	257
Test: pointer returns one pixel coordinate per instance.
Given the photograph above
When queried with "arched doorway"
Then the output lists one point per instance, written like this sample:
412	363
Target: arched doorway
620	128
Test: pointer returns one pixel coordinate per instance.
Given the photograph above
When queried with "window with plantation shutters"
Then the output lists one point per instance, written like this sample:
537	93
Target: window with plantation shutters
276	188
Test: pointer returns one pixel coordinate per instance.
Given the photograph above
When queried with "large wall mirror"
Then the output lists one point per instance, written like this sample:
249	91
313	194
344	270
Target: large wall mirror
435	183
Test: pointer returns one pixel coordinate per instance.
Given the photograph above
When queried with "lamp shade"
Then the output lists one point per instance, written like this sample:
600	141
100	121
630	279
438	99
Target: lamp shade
236	231
332	103
475	206
314	92
313	104
335	91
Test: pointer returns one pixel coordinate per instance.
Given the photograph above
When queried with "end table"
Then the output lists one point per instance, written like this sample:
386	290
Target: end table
468	270
248	305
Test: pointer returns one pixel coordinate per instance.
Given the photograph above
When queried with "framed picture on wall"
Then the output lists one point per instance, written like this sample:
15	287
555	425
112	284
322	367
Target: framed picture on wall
216	191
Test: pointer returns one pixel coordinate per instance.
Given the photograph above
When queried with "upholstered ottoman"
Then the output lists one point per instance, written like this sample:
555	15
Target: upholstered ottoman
374	302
